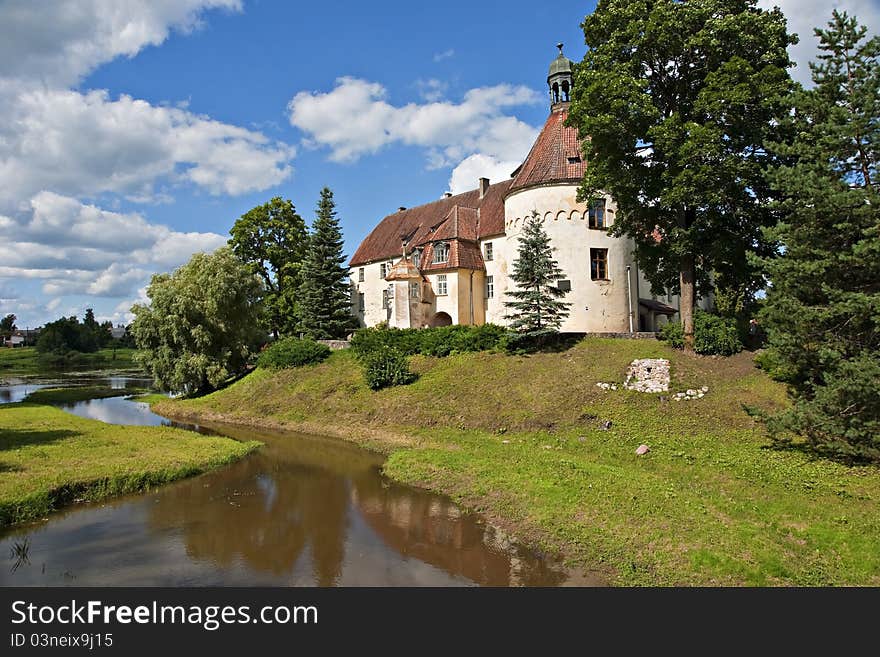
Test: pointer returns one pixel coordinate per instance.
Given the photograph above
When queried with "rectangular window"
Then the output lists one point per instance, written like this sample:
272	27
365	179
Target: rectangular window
564	285
360	275
441	252
441	285
597	213
386	300
599	264
383	270
361	302
490	287
488	255
417	258
414	291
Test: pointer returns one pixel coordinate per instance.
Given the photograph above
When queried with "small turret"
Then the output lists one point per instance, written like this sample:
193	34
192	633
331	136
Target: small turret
560	79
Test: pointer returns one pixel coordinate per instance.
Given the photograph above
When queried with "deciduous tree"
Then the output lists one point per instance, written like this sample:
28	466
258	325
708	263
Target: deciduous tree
202	324
271	239
675	101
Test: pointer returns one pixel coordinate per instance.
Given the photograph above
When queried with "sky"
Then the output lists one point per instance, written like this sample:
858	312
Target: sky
135	132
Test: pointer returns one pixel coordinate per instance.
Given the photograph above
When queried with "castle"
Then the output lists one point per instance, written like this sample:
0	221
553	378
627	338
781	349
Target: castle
449	261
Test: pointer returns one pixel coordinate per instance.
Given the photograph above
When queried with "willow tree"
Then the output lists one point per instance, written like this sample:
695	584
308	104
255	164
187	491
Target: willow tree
675	100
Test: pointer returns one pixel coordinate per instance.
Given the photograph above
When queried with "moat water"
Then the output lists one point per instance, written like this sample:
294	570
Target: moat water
302	510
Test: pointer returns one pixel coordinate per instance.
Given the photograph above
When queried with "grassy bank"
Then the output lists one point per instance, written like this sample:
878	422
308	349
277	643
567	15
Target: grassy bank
26	361
78	393
49	458
523	439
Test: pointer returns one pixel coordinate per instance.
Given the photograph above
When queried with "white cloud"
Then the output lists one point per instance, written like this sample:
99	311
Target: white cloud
61	43
432	90
87	143
446	54
62	146
465	176
82	249
355	119
805	15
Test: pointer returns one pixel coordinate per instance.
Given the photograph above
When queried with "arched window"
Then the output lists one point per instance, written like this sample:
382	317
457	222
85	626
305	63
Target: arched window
441	252
565	96
555	92
417	257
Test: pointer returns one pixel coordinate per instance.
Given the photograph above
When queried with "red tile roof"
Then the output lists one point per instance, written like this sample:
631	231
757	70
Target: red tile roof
555	156
416	224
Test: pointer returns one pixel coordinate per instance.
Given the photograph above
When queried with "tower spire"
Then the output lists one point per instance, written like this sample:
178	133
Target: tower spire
560	79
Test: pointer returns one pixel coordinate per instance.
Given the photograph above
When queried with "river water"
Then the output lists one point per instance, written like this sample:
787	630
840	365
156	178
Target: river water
302	510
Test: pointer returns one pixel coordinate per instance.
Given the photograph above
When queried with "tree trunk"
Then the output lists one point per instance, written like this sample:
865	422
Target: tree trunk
687	299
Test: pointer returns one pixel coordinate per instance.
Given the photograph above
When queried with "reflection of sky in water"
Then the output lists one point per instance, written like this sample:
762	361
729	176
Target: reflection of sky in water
15	393
117	410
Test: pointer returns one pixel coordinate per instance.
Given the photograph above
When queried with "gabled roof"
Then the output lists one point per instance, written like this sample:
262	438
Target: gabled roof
555	156
464	216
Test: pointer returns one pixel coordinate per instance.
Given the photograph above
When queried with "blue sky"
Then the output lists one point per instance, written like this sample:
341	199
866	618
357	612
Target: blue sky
137	132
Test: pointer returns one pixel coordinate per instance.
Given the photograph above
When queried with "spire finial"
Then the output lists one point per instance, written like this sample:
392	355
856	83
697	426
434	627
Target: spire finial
559	45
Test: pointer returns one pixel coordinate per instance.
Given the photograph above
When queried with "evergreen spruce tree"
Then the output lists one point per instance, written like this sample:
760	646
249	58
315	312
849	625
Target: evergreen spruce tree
324	294
822	311
536	311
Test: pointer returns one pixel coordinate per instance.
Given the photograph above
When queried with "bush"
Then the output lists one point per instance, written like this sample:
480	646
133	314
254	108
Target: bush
387	367
772	363
712	335
440	341
292	352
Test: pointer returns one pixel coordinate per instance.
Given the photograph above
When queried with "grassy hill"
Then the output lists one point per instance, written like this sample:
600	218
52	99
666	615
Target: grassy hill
524	440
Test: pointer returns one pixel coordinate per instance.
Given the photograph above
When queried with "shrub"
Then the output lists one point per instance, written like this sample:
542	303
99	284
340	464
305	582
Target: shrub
292	352
387	367
439	341
712	335
771	362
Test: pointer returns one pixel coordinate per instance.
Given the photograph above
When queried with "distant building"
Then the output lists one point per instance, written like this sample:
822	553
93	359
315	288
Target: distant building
117	332
449	261
15	340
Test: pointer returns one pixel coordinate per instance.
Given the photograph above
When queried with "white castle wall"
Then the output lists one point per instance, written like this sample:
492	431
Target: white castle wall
596	306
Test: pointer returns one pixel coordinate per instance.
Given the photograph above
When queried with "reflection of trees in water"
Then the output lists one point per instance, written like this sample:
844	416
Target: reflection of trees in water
294	494
262	514
433	529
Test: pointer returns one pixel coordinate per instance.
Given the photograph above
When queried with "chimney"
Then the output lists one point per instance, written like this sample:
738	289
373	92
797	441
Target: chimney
484	187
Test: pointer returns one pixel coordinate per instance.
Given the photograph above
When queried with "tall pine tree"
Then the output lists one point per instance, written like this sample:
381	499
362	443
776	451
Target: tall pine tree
324	296
536	310
823	307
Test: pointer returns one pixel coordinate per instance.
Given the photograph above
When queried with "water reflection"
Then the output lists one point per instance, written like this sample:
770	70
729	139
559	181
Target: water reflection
302	510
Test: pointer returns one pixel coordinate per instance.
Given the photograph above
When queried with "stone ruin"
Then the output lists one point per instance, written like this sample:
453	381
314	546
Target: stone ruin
648	375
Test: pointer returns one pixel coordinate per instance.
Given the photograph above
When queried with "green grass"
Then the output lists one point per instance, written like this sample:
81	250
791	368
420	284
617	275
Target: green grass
25	361
49	458
520	438
77	393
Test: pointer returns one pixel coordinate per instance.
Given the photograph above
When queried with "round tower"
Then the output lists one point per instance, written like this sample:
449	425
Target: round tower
545	186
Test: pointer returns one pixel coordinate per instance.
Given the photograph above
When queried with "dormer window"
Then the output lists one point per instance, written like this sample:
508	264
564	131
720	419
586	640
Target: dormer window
441	252
417	258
